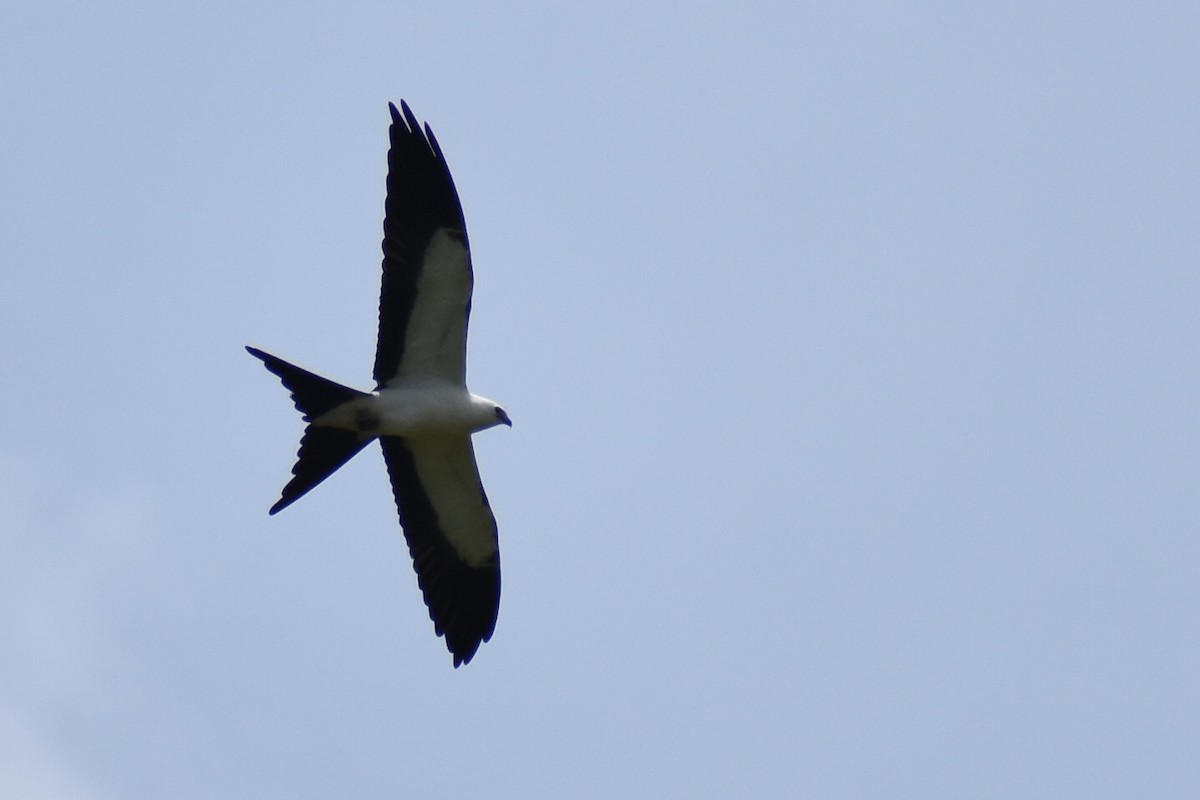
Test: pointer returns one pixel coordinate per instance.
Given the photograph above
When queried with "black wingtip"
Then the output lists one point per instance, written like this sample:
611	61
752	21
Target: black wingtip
464	657
405	117
410	118
433	143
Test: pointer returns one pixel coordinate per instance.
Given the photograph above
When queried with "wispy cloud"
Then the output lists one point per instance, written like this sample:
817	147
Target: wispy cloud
62	557
32	768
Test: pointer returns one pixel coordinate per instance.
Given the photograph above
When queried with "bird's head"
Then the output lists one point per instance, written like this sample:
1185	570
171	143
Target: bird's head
501	416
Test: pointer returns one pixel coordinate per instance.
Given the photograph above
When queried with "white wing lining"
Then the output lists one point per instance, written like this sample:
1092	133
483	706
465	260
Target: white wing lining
435	342
449	476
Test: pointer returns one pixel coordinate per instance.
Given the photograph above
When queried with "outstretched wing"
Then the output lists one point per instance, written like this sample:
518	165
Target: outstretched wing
451	535
426	294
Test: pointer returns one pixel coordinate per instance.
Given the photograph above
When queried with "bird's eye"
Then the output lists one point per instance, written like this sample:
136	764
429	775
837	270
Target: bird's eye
499	412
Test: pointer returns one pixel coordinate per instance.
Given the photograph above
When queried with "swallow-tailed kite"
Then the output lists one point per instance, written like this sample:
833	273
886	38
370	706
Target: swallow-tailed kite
420	411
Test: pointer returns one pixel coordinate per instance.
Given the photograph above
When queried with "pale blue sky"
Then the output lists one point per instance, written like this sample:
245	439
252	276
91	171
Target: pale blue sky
851	350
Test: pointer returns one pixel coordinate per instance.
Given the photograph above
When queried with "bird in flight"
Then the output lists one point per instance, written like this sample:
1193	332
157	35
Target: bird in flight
421	411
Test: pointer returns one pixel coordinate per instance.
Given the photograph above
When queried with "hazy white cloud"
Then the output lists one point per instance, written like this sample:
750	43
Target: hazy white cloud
32	768
61	560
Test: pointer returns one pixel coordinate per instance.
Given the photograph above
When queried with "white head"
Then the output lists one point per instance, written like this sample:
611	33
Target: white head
490	414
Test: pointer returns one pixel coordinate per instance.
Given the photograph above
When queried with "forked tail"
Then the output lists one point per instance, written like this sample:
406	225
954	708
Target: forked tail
322	449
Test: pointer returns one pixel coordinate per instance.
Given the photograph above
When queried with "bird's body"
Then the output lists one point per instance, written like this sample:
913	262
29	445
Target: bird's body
414	408
421	411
